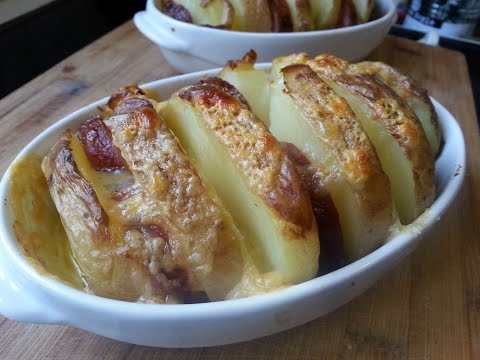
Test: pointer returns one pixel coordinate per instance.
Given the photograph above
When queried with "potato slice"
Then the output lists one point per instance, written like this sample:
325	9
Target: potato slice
341	160
251	15
280	62
325	13
416	97
301	14
363	9
395	131
148	229
214	13
250	82
252	175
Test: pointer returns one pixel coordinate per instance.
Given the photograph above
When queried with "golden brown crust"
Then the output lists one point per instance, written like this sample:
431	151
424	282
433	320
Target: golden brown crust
255	151
394	115
124	93
161	231
177	197
107	271
337	126
97	143
64	177
340	166
326	13
250	58
404	126
413	94
225	87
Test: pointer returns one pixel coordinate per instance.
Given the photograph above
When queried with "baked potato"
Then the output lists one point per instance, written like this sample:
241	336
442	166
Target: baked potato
325	13
250	82
214	13
142	224
230	187
337	160
393	128
416	97
269	15
306	111
252	174
301	13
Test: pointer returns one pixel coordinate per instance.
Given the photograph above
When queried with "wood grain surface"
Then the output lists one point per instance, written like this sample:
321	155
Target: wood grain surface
427	308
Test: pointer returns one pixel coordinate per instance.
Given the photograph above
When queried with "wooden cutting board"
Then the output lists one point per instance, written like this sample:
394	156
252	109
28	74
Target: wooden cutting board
427	308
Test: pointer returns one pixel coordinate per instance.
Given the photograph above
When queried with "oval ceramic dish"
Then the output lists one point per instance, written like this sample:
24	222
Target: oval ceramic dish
189	47
26	295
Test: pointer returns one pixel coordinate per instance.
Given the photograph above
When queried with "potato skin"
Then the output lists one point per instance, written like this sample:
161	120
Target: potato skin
86	224
149	231
267	168
355	160
258	184
413	94
64	177
395	116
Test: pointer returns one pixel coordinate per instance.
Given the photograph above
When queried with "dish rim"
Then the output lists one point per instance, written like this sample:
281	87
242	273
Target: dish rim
231	308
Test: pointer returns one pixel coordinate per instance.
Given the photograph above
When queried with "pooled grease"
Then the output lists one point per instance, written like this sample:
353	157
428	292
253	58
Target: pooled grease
37	225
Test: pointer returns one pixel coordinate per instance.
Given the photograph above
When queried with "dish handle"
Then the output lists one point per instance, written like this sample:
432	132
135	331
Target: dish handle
23	303
157	34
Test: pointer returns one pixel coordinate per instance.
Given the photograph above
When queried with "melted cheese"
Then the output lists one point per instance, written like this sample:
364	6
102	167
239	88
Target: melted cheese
37	224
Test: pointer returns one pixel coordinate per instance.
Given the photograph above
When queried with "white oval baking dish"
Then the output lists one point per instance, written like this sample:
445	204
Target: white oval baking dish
26	295
189	47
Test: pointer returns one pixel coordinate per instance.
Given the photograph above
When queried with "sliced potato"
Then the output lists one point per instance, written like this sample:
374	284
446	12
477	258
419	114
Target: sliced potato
395	131
86	224
416	97
325	13
251	15
214	13
250	82
280	62
234	152
363	9
142	224
201	234
342	163
301	14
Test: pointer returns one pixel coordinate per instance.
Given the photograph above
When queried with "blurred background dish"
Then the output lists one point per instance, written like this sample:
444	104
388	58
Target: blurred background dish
189	47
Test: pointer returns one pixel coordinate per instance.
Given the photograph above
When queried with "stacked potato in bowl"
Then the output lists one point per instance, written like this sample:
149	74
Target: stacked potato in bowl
270	15
234	185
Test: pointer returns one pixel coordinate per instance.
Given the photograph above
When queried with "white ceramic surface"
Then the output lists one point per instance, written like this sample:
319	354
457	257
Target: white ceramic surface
26	295
190	47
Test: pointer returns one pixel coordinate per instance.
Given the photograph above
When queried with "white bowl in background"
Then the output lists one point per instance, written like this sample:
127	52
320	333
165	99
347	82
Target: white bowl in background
189	47
30	296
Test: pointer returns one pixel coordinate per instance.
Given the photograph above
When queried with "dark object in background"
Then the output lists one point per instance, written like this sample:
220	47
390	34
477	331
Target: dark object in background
34	42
